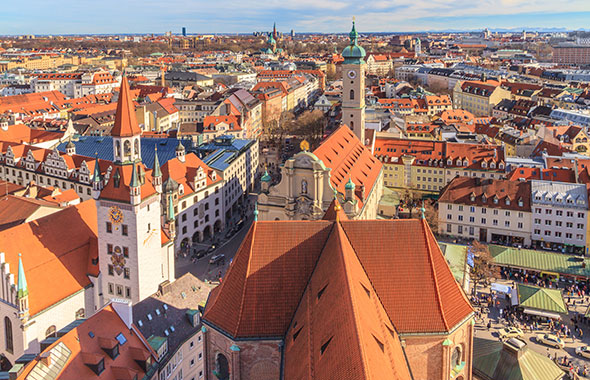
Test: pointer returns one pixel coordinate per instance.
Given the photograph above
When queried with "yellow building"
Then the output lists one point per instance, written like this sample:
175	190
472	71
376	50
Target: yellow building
477	97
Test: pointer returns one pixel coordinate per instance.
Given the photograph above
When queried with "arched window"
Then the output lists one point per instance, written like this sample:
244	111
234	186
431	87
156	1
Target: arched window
221	370
351	94
80	314
136	152
127	148
118	149
51	332
352	125
8	335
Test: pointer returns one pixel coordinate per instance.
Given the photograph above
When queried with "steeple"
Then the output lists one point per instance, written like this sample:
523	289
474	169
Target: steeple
171	216
125	120
349	190
353	53
22	291
171	223
134	187
265	180
180	151
126	132
96	180
157	172
22	288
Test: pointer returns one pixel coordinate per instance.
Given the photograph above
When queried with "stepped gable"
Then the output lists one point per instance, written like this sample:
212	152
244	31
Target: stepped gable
340	329
125	120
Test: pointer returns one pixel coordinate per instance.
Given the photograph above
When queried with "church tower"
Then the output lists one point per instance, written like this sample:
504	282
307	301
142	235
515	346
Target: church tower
132	261
353	86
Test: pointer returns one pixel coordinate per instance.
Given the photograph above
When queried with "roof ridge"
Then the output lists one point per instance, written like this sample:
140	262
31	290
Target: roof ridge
376	300
434	277
247	277
338	230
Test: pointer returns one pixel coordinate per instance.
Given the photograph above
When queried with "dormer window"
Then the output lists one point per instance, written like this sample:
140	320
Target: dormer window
507	201
520	203
493	165
484	199
465	162
501	166
484	164
495	199
449	162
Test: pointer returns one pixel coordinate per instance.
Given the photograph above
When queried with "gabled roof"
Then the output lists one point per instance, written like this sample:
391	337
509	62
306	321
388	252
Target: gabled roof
125	120
267	269
340	329
348	158
122	192
46	255
71	353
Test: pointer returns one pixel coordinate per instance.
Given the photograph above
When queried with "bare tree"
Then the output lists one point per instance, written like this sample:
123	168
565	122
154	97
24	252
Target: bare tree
481	270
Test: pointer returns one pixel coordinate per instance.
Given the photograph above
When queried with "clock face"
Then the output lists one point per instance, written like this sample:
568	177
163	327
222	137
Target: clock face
116	215
352	74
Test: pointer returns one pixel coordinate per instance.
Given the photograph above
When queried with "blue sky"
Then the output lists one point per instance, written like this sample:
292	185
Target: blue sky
244	16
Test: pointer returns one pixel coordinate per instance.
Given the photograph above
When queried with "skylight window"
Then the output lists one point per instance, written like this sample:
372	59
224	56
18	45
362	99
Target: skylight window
121	339
140	323
157	311
149	317
172	328
165	307
166	332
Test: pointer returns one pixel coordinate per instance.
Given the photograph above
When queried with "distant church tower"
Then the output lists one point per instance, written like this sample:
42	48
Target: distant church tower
132	261
353	86
418	47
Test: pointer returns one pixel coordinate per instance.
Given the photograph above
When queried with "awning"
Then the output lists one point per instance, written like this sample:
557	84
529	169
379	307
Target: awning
542	313
502	288
514	298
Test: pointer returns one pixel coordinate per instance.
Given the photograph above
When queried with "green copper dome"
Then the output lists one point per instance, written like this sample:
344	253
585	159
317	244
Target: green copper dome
265	177
349	185
353	53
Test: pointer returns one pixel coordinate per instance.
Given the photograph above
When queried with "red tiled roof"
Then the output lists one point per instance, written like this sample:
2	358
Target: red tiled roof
267	269
123	191
84	342
348	158
125	120
560	175
471	191
47	256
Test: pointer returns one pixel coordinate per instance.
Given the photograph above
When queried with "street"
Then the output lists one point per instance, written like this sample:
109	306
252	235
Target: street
201	267
493	316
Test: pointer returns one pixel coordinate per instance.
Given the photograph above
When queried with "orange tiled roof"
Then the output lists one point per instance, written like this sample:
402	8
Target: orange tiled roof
20	133
125	120
266	269
85	341
46	255
123	191
348	158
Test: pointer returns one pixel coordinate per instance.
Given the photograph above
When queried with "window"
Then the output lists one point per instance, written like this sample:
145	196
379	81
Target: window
547	233
471	209
126	251
184	217
127	273
558	223
538	210
483	220
460	229
506	223
548	212
495	212
580	215
484	210
460	208
569	225
51	332
127	292
547	222
109	249
449	228
520	215
507	213
570	214
568	235
449	207
8	339
471	231
111	291
537	221
519	224
558	234
109	227
537	232
351	94
119	290
111	270
124	230
460	218
580	226
471	219
495	222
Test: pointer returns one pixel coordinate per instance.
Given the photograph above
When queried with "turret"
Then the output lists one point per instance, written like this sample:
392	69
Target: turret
22	291
180	151
171	218
96	180
135	187
157	172
265	181
70	148
349	191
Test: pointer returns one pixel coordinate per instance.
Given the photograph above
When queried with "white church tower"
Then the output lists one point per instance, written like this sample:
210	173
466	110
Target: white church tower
132	261
353	86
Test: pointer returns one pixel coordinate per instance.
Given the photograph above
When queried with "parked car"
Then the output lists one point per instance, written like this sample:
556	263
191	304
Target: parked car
217	259
510	332
550	340
200	253
583	351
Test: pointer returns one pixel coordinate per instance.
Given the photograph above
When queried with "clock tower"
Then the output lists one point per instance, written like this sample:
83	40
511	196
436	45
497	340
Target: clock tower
353	86
131	258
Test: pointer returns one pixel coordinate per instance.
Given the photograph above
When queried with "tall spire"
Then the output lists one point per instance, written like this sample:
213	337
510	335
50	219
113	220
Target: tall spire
157	172
354	36
170	208
96	176
22	289
134	178
125	120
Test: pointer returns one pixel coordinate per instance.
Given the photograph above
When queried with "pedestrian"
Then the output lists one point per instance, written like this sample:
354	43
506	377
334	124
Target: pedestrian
489	325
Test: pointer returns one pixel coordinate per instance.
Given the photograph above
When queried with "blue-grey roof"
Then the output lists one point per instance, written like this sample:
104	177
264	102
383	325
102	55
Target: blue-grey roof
103	146
220	152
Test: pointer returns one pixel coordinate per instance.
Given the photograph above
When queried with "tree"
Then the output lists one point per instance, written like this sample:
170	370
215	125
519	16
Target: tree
310	126
431	215
482	263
